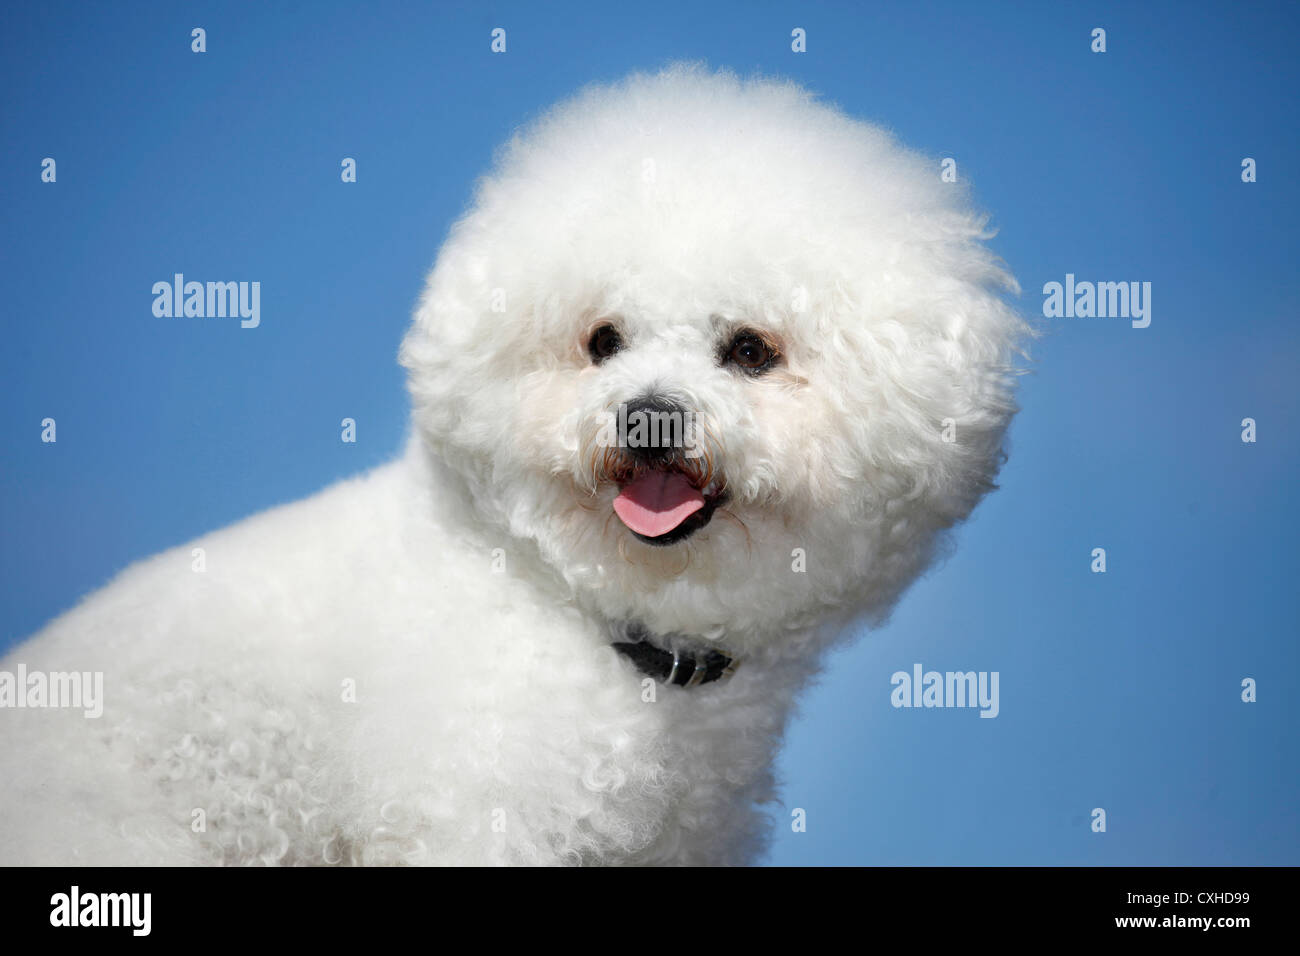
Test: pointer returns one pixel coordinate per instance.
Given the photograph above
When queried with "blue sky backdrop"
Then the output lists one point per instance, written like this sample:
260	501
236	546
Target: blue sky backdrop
1119	690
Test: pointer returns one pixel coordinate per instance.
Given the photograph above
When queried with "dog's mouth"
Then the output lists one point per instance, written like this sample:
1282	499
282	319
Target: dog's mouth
662	504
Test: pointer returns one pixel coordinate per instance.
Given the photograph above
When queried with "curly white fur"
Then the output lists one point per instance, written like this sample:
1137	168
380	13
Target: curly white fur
467	591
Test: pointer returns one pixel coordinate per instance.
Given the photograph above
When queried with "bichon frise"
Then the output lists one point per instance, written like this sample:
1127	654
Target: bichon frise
701	377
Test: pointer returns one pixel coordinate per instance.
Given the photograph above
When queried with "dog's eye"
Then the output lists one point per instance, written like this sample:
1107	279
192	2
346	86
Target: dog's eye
604	342
750	352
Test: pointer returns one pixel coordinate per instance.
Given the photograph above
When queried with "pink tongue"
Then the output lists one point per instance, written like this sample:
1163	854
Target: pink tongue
657	502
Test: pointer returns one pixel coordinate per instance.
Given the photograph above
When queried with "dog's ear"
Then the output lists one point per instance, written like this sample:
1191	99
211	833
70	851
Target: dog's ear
961	366
926	349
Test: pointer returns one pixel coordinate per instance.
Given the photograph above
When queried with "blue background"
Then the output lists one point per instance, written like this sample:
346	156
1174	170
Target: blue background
1118	690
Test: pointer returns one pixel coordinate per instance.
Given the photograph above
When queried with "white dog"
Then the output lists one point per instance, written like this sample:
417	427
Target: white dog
702	376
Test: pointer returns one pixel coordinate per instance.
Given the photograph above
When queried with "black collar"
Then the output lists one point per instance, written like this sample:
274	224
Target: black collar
673	667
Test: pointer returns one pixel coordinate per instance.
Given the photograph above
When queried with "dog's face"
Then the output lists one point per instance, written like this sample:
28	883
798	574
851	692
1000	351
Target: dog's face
731	360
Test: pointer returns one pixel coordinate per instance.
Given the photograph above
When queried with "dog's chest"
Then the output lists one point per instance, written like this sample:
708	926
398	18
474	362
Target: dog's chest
545	746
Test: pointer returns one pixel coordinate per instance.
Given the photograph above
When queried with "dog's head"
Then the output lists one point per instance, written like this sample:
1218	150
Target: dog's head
730	359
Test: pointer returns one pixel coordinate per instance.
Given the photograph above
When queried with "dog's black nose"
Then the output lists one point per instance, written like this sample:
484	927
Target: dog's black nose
652	428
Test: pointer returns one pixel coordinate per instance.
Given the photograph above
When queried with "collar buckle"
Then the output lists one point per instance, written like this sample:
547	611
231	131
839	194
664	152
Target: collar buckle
672	667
